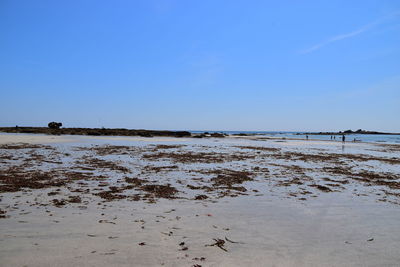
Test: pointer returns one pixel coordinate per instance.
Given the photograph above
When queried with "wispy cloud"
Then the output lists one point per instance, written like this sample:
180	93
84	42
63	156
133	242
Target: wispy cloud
340	37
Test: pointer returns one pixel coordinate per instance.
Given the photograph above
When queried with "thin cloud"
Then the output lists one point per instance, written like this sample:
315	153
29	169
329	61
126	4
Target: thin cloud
349	35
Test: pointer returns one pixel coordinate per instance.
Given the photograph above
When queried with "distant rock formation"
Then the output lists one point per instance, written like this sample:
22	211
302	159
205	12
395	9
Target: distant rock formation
54	128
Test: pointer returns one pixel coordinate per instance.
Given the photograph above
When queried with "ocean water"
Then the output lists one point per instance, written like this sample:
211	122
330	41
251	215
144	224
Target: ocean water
370	138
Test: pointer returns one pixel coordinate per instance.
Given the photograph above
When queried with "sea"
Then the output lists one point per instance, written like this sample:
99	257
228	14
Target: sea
370	138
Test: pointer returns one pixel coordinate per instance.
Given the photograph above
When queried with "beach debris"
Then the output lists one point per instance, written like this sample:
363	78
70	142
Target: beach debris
3	214
200	197
75	199
321	187
218	243
235	242
169	211
199	259
170	233
183	247
142	244
108	253
371	239
59	202
106	221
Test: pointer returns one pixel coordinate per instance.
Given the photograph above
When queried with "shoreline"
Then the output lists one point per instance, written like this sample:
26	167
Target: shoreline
51	138
150	133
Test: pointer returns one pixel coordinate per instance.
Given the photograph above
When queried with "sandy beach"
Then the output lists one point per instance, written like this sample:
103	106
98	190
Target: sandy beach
200	133
164	201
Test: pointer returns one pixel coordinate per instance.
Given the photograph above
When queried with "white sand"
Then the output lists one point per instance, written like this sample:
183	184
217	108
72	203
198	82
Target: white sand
34	138
272	230
47	139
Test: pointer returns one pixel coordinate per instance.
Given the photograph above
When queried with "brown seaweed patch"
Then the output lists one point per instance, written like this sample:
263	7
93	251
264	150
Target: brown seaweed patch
134	181
156	169
114	193
24	146
103	164
110	195
115	150
160	191
7	157
203	187
3	214
332	157
199	157
335	181
229	178
59	202
260	148
200	197
13	180
388	147
321	187
370	178
289	182
74	199
167	146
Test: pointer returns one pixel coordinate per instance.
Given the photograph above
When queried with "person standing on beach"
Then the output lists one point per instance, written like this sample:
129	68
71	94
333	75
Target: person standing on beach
343	139
307	137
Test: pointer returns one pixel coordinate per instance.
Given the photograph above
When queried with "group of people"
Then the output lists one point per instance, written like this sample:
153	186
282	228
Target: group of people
333	137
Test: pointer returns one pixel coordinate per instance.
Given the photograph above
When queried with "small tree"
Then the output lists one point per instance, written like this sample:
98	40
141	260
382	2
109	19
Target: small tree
54	125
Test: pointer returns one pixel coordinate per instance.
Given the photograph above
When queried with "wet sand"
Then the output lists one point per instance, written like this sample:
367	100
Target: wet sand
133	201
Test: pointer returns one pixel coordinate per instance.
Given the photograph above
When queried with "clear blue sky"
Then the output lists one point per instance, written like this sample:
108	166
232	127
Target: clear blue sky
201	65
